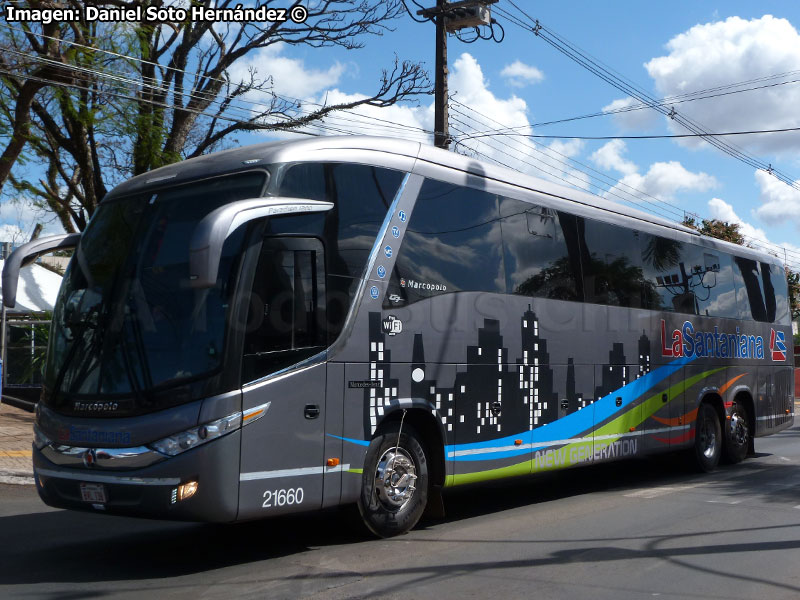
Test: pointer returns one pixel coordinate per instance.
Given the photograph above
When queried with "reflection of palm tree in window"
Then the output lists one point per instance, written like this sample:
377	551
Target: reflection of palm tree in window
662	253
555	281
678	279
619	283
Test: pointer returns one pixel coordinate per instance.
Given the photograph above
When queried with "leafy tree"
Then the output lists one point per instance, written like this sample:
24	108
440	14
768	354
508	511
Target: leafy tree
722	230
99	102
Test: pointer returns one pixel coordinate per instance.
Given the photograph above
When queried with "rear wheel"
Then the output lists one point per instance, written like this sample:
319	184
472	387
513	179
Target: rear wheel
737	433
707	438
394	488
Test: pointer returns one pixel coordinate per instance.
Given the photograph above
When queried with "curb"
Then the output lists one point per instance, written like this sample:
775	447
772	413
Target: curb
16	477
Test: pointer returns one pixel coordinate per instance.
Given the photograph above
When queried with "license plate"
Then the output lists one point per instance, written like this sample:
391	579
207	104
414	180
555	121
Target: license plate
93	492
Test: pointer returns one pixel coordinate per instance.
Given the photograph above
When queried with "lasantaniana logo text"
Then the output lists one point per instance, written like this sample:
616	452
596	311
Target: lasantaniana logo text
691	343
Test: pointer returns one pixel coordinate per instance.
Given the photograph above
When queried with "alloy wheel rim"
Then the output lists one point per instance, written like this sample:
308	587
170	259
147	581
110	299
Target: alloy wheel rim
395	478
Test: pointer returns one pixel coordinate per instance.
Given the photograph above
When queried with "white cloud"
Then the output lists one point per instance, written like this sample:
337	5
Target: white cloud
609	156
399	120
638	120
520	75
485	112
18	217
290	76
735	50
12	233
722	211
663	180
568	148
779	201
488	112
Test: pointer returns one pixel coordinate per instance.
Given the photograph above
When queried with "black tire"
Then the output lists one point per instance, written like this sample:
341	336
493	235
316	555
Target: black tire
388	508
707	438
737	433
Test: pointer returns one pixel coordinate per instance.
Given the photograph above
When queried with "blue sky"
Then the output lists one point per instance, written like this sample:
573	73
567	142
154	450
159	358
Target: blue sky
668	49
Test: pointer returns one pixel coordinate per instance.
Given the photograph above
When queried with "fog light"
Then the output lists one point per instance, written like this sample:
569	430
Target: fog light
187	490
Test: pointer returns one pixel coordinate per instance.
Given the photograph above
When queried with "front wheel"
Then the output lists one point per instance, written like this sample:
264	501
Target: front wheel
707	438
394	488
737	433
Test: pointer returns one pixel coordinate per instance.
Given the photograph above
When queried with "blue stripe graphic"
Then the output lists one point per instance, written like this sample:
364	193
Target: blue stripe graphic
573	425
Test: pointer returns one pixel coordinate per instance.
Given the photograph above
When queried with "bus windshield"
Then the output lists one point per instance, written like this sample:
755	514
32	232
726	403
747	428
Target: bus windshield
126	322
131	333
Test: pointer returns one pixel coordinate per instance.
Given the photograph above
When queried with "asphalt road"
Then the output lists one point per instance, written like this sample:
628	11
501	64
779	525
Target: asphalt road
630	530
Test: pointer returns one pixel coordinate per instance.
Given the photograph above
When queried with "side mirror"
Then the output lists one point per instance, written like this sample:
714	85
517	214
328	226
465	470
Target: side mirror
205	247
25	255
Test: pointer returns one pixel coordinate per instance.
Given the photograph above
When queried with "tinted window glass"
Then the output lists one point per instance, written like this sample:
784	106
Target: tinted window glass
537	242
361	195
722	296
677	272
687	278
284	322
768	287
781	294
612	273
452	243
749	295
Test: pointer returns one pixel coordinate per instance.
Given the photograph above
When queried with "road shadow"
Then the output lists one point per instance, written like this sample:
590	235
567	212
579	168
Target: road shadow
72	547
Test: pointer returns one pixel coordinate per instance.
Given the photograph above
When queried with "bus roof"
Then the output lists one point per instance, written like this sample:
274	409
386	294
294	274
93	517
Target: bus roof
382	151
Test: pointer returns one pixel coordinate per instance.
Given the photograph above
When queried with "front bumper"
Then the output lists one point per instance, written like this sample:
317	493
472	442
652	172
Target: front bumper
150	491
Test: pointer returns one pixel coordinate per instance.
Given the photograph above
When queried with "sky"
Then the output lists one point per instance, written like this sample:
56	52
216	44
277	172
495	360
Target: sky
523	82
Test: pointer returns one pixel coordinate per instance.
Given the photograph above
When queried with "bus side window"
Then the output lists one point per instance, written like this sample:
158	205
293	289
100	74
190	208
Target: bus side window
452	244
721	297
285	321
709	274
672	274
748	289
770	303
781	289
361	195
540	251
610	261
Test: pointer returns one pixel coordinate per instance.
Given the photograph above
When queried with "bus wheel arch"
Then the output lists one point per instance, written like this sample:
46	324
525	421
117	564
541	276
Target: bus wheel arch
739	428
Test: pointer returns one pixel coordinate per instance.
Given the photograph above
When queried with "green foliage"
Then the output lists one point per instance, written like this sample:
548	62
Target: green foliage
721	230
38	336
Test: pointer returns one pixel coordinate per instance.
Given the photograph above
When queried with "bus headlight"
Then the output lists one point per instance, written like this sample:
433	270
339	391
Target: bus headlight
196	436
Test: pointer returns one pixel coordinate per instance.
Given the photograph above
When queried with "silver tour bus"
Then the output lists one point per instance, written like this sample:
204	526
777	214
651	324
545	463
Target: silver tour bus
297	325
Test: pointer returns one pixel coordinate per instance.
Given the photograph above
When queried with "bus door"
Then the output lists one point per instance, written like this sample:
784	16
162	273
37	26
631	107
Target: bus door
282	461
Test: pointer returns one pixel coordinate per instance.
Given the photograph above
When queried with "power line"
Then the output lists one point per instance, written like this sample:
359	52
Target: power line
666	102
677	211
244	113
197	76
658	206
630	137
608	75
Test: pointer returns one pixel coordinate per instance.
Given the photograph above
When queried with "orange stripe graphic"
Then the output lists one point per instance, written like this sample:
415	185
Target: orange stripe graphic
691	416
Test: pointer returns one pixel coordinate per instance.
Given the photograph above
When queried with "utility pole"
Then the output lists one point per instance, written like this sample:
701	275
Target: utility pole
441	133
450	17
